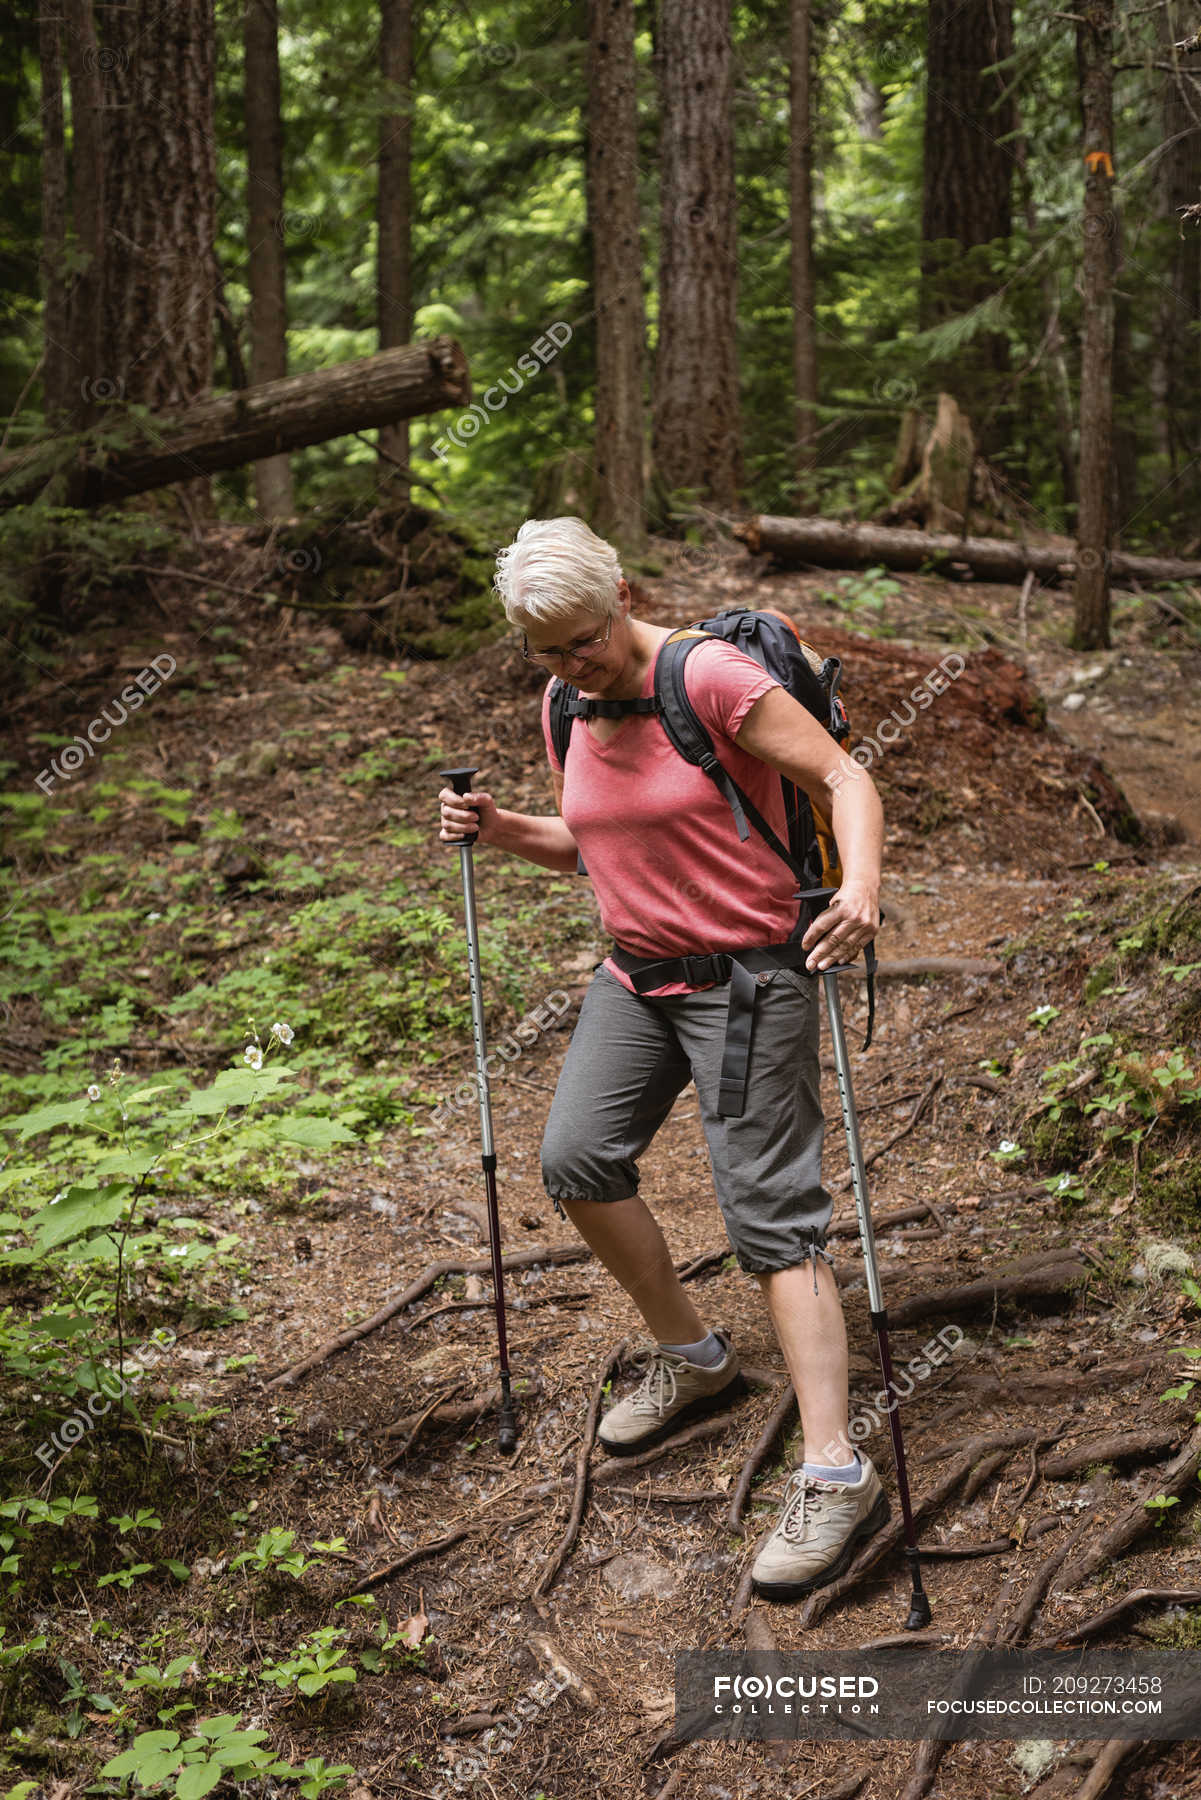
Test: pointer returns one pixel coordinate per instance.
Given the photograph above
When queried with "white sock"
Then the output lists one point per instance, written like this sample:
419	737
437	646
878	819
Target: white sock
706	1354
843	1472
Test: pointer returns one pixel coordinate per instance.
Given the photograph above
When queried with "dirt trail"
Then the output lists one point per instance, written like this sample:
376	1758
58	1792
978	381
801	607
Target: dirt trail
995	830
993	827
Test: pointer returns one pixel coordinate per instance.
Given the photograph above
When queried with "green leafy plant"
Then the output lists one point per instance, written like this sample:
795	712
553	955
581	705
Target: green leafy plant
165	1762
316	1664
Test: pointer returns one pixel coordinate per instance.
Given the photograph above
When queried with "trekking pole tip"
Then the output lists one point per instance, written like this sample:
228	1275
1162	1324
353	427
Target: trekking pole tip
506	1436
919	1613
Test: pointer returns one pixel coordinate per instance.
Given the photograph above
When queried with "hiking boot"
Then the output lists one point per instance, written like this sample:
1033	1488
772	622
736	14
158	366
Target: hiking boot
819	1530
672	1392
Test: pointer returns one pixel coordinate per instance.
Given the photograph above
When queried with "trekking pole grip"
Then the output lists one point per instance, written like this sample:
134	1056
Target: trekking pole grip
460	781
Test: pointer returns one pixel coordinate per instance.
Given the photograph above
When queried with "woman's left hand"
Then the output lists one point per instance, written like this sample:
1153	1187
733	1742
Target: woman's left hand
850	921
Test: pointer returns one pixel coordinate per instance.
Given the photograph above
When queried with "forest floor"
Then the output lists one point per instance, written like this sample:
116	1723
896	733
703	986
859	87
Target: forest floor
1008	846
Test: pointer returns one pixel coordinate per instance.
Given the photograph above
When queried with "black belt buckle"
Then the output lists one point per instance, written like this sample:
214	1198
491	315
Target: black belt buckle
700	970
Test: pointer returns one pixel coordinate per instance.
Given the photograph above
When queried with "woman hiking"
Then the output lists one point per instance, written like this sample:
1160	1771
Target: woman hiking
675	885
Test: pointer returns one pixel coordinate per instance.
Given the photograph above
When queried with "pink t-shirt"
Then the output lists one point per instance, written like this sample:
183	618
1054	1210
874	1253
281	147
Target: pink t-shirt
657	836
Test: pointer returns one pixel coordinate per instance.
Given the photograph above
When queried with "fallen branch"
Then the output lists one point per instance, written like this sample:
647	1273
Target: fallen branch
1175	1479
421	1552
776	1420
558	1663
949	1552
1134	1601
555	1560
1122	1446
433	1272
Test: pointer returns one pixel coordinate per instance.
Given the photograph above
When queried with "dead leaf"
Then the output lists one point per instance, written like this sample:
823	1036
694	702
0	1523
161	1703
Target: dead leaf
413	1631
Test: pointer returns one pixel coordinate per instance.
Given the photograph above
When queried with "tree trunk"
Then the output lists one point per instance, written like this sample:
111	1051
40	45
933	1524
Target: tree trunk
967	176
1094	41
96	374
804	321
395	216
829	543
1177	182
56	371
616	271
1054	367
233	429
265	188
697	431
160	203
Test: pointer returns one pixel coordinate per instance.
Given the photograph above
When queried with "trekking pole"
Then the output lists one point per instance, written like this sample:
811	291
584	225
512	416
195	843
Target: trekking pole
919	1605
460	780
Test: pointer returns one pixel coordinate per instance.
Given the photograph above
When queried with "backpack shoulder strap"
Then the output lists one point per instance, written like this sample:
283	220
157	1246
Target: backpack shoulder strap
561	696
689	738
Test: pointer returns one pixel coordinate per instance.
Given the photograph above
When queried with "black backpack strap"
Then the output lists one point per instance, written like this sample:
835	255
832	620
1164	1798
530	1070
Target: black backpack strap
690	740
561	696
579	708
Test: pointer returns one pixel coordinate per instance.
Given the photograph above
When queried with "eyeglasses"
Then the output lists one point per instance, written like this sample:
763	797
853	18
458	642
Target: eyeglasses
578	652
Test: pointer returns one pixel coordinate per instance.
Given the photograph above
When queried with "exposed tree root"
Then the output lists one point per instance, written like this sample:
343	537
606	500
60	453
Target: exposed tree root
556	1559
421	1552
1135	1601
1173	1482
776	1420
1121	1446
1109	1759
1051	1281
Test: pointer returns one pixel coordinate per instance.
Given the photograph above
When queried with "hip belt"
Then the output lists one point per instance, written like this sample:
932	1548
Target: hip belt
739	968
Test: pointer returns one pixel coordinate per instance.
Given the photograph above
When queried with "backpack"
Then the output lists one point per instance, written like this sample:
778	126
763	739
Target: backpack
774	642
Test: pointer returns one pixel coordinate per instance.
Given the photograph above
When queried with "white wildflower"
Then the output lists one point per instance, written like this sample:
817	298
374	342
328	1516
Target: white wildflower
1006	1147
253	1055
284	1033
93	1092
151	917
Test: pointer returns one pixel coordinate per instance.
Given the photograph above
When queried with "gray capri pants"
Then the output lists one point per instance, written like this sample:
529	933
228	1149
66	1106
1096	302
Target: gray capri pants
631	1056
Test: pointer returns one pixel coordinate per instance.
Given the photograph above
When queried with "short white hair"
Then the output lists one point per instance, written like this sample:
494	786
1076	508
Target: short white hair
557	567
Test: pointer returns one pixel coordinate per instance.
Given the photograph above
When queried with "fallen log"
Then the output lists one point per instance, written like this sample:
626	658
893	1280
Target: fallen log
832	544
230	430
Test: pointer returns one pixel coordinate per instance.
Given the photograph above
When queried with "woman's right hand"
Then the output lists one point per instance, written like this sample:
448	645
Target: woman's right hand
464	814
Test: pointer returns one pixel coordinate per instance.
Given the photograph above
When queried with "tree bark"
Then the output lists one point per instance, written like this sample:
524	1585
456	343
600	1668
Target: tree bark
243	427
697	431
1094	41
265	188
616	271
160	187
804	321
95	374
56	374
967	176
1177	404
831	544
395	216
